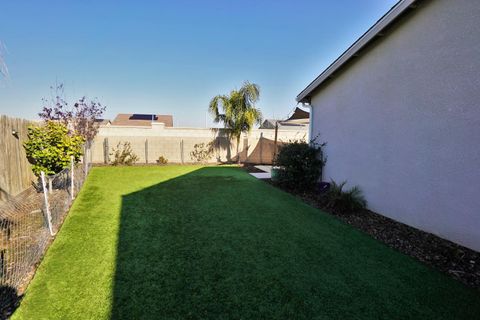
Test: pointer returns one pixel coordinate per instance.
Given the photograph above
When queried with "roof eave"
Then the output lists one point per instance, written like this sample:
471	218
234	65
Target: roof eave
373	32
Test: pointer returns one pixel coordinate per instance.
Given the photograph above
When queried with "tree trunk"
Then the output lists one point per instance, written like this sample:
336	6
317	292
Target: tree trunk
238	150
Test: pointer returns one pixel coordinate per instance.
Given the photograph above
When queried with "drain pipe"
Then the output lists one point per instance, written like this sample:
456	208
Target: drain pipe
310	120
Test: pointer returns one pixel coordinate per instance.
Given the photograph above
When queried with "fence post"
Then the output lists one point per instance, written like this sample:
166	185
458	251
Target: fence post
260	141
47	207
85	160
146	150
72	177
275	142
105	151
181	150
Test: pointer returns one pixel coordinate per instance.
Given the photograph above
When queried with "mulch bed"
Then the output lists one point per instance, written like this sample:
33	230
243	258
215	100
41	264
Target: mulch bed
458	262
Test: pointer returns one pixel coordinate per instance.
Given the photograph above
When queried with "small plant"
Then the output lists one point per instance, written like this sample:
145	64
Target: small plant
123	155
202	152
162	160
347	201
300	164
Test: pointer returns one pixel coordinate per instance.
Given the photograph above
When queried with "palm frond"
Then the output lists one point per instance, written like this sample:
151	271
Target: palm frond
215	103
238	110
250	93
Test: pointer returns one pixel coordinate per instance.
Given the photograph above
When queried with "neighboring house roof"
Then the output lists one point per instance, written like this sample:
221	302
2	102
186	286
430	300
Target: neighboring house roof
143	120
284	124
299	118
102	122
353	51
299	114
269	124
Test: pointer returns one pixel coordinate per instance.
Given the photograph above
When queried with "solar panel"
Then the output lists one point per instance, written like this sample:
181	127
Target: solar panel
139	116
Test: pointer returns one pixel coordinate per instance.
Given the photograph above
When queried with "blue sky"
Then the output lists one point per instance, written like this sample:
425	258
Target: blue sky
172	57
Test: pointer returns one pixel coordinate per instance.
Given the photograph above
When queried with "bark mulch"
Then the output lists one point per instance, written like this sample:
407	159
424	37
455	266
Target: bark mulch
458	262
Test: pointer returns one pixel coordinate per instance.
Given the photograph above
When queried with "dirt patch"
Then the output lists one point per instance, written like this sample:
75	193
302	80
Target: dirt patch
458	262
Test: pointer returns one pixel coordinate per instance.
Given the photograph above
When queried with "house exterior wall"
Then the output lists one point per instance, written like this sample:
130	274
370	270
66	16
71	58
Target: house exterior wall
403	121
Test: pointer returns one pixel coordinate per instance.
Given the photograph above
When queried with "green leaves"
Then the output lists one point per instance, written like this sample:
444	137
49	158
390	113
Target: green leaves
344	200
237	110
49	147
124	155
301	164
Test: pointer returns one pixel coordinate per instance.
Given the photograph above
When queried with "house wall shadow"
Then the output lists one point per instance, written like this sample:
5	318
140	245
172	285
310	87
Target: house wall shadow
263	151
150	282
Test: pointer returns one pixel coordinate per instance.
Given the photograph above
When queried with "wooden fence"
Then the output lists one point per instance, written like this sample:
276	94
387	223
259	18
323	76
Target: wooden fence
15	172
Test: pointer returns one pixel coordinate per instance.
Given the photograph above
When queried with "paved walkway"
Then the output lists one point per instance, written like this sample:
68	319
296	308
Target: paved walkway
263	175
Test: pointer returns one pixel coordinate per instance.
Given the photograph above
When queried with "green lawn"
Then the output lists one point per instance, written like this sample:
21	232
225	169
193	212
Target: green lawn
186	242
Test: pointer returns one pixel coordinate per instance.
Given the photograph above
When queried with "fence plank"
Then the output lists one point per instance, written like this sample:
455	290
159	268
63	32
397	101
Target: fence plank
15	171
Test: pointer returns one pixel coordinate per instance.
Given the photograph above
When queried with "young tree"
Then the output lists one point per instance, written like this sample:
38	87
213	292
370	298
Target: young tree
80	119
237	111
49	147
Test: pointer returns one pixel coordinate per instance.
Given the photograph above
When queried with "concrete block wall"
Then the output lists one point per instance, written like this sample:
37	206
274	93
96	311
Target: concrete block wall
176	144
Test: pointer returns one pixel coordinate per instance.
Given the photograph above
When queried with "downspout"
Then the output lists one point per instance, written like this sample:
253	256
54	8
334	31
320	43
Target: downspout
310	120
310	130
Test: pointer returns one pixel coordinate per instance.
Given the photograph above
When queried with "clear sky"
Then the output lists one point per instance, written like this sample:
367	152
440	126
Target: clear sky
172	57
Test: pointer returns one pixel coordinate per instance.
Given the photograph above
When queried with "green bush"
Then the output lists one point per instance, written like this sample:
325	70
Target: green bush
50	146
123	155
300	164
347	201
162	160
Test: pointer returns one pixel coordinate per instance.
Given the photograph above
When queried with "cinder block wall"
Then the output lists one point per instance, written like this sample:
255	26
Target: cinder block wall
176	144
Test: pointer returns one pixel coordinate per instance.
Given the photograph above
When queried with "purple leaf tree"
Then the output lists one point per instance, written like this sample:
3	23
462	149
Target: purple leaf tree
82	118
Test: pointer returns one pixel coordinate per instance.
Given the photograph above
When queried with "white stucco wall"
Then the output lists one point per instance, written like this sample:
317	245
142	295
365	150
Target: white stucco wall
403	121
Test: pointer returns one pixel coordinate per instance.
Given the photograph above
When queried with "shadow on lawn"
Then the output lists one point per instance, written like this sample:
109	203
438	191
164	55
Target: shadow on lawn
160	253
217	244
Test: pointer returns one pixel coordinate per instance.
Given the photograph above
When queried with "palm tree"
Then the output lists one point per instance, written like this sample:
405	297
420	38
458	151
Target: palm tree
238	112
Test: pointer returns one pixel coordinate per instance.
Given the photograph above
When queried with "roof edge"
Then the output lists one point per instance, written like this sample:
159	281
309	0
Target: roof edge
361	42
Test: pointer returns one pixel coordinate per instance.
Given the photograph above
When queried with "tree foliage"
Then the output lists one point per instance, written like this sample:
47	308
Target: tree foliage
81	118
237	111
50	146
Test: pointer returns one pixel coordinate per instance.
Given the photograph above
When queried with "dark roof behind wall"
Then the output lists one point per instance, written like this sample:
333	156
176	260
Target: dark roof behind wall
299	114
139	119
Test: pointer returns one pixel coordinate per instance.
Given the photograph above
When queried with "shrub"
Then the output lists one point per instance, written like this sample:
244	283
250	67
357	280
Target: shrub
300	164
202	152
123	154
162	160
344	201
49	147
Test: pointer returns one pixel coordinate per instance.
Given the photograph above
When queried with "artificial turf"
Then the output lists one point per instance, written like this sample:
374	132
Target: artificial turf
186	242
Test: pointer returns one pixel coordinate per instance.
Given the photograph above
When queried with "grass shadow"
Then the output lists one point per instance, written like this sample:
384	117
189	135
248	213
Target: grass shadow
217	244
